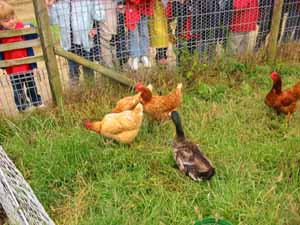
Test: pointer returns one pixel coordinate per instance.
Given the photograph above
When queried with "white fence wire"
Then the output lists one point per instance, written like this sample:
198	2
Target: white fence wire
17	198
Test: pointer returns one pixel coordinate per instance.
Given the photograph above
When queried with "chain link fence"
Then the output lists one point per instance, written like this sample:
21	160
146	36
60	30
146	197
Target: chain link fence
136	34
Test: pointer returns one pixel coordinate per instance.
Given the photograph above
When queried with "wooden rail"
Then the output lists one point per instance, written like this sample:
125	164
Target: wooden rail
12	33
15	62
121	78
20	45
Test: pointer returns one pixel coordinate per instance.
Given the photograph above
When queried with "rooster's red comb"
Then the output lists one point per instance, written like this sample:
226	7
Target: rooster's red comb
274	75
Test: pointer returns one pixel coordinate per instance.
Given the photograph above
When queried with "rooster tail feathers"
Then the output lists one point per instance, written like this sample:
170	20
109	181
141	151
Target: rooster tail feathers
297	89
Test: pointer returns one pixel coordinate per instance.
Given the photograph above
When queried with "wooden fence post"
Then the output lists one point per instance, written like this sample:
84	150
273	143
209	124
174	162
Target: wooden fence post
274	32
41	14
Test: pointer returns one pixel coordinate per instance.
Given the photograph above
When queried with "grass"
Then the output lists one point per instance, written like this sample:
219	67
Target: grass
81	180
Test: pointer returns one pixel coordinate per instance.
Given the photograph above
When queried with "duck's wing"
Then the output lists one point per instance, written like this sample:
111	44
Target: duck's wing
194	162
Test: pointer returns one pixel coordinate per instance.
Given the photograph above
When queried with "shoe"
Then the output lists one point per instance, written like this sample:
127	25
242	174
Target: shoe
163	61
146	61
41	106
135	64
28	109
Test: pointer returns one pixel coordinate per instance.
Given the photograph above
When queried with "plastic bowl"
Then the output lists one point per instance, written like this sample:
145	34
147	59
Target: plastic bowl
213	221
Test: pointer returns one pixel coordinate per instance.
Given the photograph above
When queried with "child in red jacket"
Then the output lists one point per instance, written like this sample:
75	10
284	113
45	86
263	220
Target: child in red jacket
20	75
243	26
136	21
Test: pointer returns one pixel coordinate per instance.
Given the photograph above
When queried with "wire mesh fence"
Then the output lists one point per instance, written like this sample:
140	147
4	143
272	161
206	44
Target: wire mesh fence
118	33
135	34
22	92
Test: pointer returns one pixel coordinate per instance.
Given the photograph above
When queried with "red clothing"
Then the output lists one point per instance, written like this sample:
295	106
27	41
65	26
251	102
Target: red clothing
15	54
134	9
245	16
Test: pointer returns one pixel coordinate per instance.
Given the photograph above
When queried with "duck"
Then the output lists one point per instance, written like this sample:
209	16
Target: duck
188	156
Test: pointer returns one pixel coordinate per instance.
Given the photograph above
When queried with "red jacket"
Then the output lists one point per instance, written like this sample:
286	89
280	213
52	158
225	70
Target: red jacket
134	9
15	54
245	16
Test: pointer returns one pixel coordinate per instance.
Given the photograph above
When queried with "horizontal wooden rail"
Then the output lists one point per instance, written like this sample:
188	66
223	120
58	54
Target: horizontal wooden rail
27	60
95	66
20	32
20	45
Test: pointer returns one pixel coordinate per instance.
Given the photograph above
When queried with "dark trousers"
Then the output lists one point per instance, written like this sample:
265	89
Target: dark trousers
120	40
18	81
161	53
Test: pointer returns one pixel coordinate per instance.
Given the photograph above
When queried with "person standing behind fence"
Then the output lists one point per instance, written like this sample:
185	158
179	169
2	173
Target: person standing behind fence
107	29
243	26
205	22
265	21
76	20
158	27
136	20
180	11
19	75
291	29
120	40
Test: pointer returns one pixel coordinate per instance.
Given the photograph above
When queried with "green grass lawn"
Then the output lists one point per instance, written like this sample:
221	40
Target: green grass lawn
81	180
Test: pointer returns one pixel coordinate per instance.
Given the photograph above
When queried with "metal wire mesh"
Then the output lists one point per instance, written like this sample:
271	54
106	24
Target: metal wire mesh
16	197
129	34
111	32
22	92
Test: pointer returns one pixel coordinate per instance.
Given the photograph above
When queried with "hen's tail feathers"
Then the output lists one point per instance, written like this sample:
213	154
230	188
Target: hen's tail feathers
138	108
297	89
179	86
150	87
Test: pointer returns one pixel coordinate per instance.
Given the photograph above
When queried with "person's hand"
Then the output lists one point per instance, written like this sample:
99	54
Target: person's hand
93	32
121	9
50	2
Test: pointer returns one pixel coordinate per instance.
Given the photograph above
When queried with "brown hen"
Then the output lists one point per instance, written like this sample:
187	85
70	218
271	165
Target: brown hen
129	102
159	107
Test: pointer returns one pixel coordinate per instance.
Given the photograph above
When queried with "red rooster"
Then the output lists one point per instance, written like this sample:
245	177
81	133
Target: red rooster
283	101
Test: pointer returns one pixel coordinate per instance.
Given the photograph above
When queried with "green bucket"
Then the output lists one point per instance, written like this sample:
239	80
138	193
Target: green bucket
213	221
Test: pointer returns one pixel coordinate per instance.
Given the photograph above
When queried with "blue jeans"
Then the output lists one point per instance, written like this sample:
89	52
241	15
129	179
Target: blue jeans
18	81
139	38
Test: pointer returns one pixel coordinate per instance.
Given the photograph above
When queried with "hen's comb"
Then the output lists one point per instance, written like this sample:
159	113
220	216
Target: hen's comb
138	86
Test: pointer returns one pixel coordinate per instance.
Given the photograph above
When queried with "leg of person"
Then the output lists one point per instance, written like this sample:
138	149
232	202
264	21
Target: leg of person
106	48
234	42
121	40
89	76
144	40
297	30
18	91
134	48
250	40
73	73
31	89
